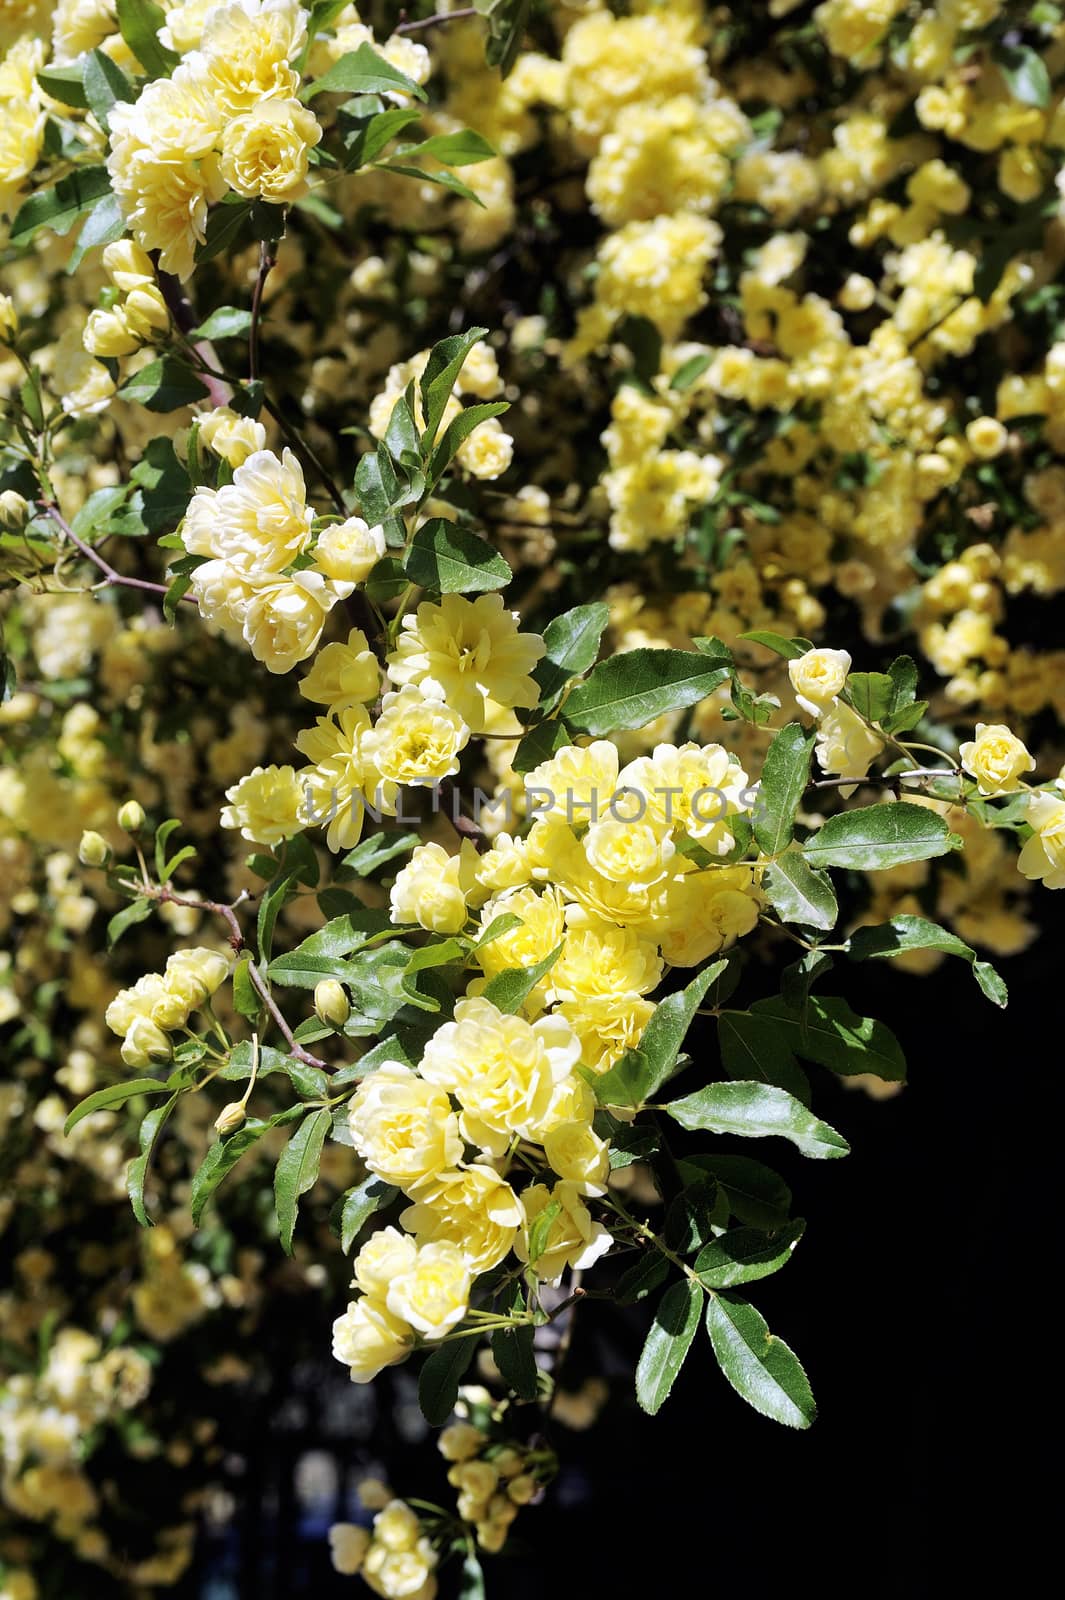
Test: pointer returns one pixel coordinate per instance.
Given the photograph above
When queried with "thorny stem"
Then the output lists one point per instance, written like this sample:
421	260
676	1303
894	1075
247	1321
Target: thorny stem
111	575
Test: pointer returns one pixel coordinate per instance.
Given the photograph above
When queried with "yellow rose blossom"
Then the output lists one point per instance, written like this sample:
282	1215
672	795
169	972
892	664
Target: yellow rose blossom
431	889
265	151
349	551
417	738
467	652
475	1209
403	1126
433	1293
343	675
574	1240
265	806
996	758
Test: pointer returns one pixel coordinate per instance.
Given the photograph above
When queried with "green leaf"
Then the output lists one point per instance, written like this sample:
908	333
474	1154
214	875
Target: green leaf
94	516
362	71
833	1035
512	1350
164	484
904	933
785	774
540	744
668	1342
139	22
689	370
540	1230
163	385
799	893
247	1000
510	989
297	1171
448	559
105	85
495	930
273	898
761	1368
872	694
756	1194
103	225
116	1094
745	1254
359	1205
177	589
640	1072
442	368
370	138
790	649
461	149
137	1171
876	837
458	431
1025	72
571	645
438	1382
698	1213
228	322
60	207
224	226
753	1049
318	955
506	22
633	689
379	490
471	1578
128	917
641	1279
756	1111
65	84
223	1156
374	852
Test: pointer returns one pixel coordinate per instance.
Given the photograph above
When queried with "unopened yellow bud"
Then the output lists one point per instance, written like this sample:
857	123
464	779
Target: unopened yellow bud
331	1003
94	850
8	320
230	1117
14	511
131	816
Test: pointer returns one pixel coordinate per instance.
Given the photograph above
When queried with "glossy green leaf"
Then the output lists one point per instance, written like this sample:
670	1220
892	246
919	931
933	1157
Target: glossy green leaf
363	71
785	774
633	689
510	989
904	933
756	1111
667	1344
833	1035
60	207
571	644
139	22
359	1205
874	838
137	1171
165	384
297	1171
800	893
128	917
643	1070
442	368
438	1383
755	1049
745	1254
116	1094
447	559
223	1156
761	1368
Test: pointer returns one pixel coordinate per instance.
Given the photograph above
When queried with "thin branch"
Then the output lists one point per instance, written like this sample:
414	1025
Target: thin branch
98	561
184	314
271	1005
438	19
267	262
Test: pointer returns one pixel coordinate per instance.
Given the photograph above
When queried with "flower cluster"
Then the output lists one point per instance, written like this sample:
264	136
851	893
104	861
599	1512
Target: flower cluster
160	1003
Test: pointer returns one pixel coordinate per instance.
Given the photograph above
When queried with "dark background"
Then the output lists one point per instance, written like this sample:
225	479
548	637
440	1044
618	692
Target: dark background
918	1301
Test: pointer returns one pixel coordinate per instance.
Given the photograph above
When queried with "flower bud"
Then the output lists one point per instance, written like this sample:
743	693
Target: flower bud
108	333
127	265
145	1043
522	1489
230	1117
14	511
94	850
8	320
331	1003
145	311
131	816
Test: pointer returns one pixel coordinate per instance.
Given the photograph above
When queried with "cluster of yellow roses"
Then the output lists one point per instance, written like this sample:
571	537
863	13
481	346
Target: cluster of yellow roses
161	1003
